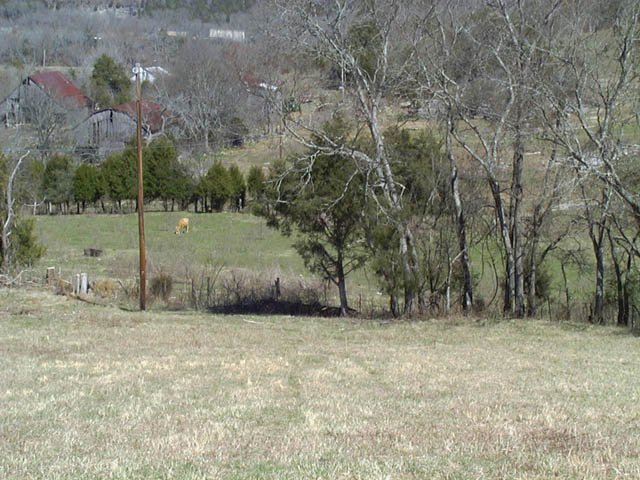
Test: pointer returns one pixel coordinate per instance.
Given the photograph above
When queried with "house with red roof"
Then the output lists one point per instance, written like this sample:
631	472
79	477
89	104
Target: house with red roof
50	90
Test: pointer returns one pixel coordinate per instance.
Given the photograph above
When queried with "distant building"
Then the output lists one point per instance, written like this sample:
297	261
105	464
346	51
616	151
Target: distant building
108	130
51	88
255	85
117	9
232	35
150	74
176	33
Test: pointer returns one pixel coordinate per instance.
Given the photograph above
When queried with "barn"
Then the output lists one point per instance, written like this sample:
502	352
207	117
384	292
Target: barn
108	130
42	91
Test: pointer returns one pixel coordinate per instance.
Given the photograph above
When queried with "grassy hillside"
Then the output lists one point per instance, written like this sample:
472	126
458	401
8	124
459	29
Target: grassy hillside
95	392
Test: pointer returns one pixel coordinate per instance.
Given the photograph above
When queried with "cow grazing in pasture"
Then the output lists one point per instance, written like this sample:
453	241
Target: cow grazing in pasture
182	226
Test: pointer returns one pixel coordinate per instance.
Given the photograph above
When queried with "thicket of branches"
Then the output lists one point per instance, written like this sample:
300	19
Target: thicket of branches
536	107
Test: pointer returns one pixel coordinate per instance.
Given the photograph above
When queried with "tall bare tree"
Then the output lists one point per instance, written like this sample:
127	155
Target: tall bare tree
591	107
592	99
203	93
364	42
8	217
483	66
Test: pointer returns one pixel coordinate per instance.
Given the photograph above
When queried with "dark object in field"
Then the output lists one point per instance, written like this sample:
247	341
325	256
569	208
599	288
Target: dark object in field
278	307
92	252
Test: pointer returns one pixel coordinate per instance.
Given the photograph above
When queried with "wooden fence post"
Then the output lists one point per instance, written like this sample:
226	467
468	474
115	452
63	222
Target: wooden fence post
51	276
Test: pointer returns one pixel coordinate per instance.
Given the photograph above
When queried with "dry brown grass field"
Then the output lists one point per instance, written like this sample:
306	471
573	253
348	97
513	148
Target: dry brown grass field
94	392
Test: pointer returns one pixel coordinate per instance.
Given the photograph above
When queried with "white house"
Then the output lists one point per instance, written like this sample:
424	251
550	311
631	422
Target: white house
150	74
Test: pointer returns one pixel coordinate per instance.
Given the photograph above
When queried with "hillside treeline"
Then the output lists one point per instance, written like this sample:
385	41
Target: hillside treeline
203	9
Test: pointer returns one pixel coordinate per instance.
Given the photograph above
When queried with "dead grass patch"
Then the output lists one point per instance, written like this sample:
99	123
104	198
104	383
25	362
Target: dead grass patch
96	392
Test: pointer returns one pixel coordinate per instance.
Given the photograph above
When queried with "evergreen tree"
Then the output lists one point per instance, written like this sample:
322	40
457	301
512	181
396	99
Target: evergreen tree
325	209
237	187
57	182
217	186
87	185
256	183
25	247
111	84
120	176
19	245
165	178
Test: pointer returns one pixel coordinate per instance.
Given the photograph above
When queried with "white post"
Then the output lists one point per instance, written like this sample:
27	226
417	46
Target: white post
83	283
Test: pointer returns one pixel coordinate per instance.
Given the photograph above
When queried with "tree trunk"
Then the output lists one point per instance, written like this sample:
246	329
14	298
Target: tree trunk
567	293
342	284
505	236
393	305
461	229
597	240
532	303
598	308
622	293
516	235
408	254
7	224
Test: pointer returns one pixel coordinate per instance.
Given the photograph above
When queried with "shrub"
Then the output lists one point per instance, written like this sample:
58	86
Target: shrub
26	249
162	285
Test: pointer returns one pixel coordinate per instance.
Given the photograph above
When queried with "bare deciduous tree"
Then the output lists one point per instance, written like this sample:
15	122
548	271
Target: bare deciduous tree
592	98
483	66
9	214
203	93
366	42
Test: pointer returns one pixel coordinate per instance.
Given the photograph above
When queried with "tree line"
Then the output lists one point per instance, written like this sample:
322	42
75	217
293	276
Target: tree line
535	108
62	185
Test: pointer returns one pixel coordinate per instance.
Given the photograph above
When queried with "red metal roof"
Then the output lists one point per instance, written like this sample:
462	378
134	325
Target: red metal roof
152	113
58	85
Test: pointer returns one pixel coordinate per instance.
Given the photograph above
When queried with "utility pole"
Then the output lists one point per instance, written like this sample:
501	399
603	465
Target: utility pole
143	261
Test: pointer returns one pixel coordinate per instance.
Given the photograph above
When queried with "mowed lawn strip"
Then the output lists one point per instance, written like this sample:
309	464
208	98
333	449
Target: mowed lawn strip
91	392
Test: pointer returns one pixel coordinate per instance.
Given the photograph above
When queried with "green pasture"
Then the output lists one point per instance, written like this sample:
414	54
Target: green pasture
95	392
217	244
229	240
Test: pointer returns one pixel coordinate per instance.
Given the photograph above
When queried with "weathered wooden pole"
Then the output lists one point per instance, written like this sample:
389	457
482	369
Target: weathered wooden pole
143	260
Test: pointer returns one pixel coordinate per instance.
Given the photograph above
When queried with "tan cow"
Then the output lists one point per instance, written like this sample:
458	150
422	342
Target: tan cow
182	226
